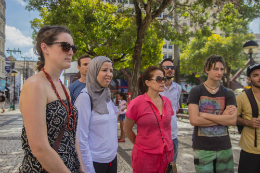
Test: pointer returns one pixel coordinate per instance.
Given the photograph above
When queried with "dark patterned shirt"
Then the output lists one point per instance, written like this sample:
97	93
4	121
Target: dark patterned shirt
56	116
213	138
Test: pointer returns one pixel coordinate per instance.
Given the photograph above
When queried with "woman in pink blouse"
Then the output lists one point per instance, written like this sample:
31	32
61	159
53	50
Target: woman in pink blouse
153	147
122	107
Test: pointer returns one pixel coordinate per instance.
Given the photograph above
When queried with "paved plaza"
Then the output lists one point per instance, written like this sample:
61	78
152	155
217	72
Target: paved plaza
11	153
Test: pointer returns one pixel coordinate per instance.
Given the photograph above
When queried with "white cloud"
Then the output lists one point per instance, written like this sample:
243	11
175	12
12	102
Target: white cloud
21	2
16	38
30	54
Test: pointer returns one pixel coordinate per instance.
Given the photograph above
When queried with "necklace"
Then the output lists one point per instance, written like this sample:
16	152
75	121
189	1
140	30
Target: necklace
211	88
70	110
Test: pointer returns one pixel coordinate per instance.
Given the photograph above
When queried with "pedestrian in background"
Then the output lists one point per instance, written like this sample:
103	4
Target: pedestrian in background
48	115
172	90
2	102
122	109
97	124
151	112
79	84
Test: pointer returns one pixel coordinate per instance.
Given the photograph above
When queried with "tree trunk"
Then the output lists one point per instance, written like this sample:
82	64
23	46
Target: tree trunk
136	65
177	75
226	78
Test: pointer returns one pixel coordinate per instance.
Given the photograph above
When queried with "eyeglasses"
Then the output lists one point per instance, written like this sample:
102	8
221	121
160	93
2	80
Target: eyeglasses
159	79
167	67
65	46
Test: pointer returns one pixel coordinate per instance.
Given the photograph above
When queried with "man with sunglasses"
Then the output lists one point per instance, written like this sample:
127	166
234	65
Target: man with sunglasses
172	90
79	84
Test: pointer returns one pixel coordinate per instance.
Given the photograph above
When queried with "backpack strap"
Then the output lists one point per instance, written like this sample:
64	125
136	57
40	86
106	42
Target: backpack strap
254	107
89	98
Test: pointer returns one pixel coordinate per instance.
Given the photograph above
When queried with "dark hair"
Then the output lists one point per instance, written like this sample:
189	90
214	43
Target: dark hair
123	95
84	56
47	34
166	59
211	62
147	75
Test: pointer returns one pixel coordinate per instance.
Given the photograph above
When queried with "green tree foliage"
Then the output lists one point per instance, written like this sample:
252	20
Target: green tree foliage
235	32
100	29
146	30
193	57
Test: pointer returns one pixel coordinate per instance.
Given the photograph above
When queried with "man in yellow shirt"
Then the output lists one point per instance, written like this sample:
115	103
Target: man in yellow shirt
250	155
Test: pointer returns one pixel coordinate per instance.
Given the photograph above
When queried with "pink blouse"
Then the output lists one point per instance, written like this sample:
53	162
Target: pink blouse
148	138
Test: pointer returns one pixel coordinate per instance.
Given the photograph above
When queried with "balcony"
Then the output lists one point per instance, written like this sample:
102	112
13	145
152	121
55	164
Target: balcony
2	54
3	2
2	17
2	35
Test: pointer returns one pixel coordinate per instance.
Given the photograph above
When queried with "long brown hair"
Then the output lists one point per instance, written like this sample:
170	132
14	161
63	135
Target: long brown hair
47	34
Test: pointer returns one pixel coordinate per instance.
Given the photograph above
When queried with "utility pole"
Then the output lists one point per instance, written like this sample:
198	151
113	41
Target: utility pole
177	75
12	67
26	59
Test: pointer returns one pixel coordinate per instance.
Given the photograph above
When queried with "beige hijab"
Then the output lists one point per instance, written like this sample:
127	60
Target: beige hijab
99	95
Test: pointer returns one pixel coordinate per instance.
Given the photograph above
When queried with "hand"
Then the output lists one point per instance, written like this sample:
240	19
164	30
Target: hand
202	114
254	122
229	110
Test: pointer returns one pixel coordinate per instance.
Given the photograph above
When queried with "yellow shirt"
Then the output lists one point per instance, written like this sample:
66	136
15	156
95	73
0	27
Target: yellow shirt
247	139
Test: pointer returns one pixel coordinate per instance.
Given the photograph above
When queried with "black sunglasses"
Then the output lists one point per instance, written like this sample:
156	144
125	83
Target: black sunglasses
167	67
159	79
65	46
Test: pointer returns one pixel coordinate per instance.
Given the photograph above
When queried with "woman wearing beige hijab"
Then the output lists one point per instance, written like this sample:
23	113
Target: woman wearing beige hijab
97	122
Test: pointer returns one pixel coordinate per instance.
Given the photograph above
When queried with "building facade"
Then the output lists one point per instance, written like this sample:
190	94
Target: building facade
2	39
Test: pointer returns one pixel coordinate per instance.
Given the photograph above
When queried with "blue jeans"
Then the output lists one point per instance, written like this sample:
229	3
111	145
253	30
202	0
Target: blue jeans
175	148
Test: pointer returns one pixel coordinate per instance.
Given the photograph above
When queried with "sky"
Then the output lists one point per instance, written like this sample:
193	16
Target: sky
18	28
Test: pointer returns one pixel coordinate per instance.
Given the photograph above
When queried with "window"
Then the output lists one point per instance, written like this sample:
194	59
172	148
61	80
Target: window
170	46
184	24
207	23
164	15
131	2
170	16
191	34
113	0
120	1
160	15
164	56
165	46
191	23
214	15
170	56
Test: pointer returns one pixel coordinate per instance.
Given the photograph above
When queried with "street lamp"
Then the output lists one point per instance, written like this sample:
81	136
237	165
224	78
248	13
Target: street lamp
14	73
250	47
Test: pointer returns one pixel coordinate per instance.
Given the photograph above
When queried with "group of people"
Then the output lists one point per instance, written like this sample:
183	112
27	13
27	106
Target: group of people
75	129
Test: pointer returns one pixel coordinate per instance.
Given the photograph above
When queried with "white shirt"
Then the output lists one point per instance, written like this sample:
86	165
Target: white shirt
96	133
173	93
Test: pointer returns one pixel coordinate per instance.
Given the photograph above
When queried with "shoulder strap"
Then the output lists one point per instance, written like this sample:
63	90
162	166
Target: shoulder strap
254	107
59	138
253	103
89	98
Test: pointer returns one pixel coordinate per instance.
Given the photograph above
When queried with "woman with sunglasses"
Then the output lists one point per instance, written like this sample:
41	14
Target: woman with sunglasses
48	134
151	112
97	124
